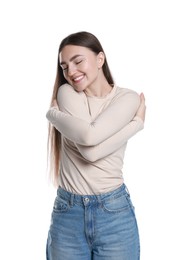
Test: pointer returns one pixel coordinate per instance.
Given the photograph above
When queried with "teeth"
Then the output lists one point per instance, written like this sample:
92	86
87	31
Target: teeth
78	78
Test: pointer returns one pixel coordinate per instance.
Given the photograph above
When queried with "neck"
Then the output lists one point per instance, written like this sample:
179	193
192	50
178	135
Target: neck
99	88
101	91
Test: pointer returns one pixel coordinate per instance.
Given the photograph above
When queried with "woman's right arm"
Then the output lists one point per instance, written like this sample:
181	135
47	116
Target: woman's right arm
84	131
113	143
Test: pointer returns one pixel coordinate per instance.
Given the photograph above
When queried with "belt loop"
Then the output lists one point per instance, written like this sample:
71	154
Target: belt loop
71	200
99	200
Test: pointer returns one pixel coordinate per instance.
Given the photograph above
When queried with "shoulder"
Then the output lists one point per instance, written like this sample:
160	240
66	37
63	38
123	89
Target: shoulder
126	93
122	90
66	89
66	92
70	100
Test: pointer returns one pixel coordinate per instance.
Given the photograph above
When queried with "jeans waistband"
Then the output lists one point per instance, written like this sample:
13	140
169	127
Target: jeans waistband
82	199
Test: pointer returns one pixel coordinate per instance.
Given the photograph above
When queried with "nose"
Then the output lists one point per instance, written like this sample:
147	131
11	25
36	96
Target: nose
71	70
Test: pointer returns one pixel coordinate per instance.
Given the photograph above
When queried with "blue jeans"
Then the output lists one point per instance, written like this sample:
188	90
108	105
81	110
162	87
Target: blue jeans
93	227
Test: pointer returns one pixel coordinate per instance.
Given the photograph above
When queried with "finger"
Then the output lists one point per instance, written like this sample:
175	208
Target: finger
142	97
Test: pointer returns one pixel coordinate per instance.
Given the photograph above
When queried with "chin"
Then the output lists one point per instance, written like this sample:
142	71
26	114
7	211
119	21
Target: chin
79	88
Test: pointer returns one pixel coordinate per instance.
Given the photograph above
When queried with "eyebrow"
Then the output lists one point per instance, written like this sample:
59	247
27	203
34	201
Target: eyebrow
71	59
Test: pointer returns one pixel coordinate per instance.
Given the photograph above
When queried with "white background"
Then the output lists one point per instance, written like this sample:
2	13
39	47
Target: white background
149	46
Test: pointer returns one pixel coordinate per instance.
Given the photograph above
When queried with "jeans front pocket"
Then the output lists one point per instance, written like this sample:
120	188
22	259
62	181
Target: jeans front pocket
130	203
116	205
60	205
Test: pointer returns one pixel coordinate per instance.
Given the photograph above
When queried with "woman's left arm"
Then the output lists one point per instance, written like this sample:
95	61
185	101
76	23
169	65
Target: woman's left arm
110	145
113	143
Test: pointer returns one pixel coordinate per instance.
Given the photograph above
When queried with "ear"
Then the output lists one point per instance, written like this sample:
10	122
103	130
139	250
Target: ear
100	59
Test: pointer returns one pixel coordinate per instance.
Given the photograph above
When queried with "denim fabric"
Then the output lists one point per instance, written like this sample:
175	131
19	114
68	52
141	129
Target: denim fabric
90	227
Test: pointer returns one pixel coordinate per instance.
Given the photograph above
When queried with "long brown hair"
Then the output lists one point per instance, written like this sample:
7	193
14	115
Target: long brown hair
84	39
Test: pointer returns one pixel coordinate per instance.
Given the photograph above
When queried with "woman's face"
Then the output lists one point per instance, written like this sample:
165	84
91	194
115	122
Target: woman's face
81	66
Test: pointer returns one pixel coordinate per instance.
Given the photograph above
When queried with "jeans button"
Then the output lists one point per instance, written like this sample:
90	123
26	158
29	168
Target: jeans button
86	201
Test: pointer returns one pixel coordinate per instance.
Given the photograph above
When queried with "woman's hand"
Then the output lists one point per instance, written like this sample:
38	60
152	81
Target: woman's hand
142	108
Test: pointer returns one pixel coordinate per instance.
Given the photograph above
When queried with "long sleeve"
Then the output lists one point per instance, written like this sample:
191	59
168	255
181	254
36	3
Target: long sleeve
113	143
86	132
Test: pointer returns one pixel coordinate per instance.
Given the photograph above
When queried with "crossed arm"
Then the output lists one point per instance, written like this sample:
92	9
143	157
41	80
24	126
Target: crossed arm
111	129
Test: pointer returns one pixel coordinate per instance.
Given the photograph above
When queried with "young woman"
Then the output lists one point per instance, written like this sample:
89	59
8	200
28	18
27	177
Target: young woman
91	120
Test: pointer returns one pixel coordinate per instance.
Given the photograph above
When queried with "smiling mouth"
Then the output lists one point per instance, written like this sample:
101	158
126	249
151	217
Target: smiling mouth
78	79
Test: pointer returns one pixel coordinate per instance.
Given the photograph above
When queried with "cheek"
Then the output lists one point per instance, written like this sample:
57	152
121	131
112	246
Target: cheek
91	68
65	75
90	65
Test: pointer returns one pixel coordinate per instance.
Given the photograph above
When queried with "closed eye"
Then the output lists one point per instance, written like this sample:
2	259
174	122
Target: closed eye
78	62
